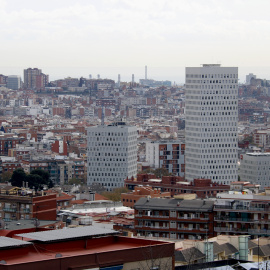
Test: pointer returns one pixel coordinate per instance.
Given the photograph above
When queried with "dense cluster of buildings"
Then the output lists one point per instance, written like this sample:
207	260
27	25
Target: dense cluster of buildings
194	159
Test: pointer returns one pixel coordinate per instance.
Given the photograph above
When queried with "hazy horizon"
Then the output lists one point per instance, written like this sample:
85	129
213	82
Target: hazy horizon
176	74
108	37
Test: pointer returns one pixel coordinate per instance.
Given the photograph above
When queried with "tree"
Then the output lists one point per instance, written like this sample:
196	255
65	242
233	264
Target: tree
74	181
157	172
6	176
37	178
45	177
115	195
18	177
35	181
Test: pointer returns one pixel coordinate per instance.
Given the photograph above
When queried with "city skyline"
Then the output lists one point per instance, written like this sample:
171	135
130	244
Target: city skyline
111	37
155	73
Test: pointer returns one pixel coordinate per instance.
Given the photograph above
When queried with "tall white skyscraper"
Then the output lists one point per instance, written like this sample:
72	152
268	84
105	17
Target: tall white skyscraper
112	154
211	123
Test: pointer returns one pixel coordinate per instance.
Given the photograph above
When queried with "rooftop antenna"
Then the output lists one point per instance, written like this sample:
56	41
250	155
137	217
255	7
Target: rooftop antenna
145	72
102	115
119	79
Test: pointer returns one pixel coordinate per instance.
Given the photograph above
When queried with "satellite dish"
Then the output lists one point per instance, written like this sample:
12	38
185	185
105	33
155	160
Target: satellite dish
2	224
36	222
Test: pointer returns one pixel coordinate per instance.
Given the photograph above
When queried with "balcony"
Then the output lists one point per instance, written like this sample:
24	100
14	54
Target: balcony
240	208
156	216
152	227
232	219
232	230
13	210
197	219
242	230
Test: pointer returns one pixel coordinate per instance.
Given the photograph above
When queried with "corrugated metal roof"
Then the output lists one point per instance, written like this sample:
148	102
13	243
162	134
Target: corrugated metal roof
6	242
68	234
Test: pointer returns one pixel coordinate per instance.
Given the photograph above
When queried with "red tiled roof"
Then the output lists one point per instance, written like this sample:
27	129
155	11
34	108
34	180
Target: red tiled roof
99	197
78	201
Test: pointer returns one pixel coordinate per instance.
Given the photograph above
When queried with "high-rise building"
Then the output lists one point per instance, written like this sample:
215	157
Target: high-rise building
254	168
14	82
211	123
112	154
35	79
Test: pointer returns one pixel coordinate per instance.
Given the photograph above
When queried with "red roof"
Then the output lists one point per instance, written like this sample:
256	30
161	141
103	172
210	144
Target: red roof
78	201
99	197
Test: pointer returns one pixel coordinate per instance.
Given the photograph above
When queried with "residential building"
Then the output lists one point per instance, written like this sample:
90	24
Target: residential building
222	247
9	141
129	199
176	219
211	123
14	82
35	79
112	154
254	168
85	247
242	214
23	205
202	188
169	155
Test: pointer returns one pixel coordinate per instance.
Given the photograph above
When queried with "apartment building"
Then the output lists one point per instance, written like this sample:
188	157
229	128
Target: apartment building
24	206
242	214
203	188
175	219
35	79
169	155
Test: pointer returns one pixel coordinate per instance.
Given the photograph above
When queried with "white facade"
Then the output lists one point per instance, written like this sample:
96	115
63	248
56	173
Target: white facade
112	155
211	123
255	168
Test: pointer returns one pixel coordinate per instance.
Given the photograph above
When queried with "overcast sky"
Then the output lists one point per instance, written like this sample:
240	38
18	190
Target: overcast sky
107	37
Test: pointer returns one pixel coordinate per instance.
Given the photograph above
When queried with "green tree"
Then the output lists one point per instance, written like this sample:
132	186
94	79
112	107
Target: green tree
74	181
157	172
45	178
115	195
35	181
37	178
6	176
18	177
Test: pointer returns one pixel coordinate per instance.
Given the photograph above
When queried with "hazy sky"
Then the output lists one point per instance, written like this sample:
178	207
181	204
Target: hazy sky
107	37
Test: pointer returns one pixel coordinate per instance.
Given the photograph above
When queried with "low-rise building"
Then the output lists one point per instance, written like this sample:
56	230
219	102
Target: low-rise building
86	247
203	188
129	199
242	214
175	219
24	205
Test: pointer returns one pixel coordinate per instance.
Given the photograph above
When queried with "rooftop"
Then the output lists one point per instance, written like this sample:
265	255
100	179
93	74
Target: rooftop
183	205
67	234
